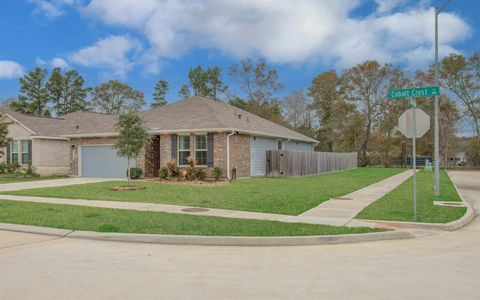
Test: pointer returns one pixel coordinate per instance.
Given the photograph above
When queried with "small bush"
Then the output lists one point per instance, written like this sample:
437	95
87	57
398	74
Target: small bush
191	161
30	171
217	173
3	168
172	168
190	173
135	173
200	174
12	167
163	173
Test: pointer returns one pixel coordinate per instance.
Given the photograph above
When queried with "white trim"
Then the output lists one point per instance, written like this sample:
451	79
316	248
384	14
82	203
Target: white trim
20	123
81	135
201	150
180	131
183	150
44	137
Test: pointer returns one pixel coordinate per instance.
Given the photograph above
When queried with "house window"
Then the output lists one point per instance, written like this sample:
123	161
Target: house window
201	150
25	154
279	144
183	149
14	150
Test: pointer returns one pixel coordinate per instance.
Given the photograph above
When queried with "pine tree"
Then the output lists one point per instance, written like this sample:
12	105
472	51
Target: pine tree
161	89
34	96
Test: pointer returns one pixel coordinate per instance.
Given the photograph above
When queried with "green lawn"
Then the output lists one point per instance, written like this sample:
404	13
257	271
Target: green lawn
112	220
9	178
398	204
275	195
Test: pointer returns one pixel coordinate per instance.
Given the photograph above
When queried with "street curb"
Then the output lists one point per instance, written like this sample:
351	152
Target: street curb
451	226
212	240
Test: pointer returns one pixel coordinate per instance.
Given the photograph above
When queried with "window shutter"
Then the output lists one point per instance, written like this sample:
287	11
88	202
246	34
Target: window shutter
8	152
30	152
174	146
210	150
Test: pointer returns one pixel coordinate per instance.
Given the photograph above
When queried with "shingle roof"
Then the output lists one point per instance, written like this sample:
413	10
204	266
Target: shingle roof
43	126
191	114
200	113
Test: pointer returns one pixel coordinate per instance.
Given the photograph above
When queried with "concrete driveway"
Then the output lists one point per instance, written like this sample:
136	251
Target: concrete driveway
16	186
440	266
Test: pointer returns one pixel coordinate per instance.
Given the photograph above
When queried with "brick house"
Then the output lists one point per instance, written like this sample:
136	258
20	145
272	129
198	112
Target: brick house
215	133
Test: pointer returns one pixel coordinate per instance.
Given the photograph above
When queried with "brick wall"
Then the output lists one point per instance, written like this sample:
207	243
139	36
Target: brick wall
240	154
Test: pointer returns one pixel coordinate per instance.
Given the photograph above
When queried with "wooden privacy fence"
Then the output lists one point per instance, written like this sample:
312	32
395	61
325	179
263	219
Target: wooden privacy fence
284	163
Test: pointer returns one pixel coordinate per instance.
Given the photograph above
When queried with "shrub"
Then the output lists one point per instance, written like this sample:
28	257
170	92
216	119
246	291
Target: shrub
163	173
172	168
217	173
3	168
190	173
191	161
200	173
30	171
135	173
12	167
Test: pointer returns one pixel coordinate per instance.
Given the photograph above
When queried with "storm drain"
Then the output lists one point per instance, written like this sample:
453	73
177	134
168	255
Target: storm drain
194	209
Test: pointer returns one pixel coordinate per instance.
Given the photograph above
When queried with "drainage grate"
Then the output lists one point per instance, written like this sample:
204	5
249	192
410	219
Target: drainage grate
194	209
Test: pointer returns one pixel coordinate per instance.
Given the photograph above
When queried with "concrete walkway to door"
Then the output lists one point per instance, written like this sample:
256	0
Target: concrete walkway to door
25	185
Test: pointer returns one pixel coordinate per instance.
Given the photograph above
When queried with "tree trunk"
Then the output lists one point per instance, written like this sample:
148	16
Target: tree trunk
128	171
365	145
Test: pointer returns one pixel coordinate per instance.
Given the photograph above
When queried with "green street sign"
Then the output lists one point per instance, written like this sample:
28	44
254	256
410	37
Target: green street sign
428	91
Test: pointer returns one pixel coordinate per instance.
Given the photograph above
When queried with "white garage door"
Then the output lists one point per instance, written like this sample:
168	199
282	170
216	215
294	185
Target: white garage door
102	161
258	154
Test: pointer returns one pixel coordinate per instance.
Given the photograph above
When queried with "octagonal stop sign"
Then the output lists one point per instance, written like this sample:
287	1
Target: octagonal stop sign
405	123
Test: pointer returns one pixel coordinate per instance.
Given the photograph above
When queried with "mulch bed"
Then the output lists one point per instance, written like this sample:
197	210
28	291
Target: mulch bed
127	188
207	182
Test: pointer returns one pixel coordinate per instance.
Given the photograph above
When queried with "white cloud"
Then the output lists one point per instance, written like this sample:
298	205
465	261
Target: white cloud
111	53
385	6
56	62
286	31
51	9
10	69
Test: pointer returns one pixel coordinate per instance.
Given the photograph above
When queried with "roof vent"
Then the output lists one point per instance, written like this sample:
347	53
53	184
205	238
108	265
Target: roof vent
77	127
239	116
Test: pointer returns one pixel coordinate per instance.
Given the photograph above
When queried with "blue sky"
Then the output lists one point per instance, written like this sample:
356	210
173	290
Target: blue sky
140	42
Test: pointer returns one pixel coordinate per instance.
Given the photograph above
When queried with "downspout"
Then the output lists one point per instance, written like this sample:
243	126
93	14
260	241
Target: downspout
285	144
228	154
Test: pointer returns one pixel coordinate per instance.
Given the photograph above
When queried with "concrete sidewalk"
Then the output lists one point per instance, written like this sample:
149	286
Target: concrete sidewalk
25	185
341	210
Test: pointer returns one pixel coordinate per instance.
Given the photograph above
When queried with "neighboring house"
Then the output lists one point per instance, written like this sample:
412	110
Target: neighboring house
215	133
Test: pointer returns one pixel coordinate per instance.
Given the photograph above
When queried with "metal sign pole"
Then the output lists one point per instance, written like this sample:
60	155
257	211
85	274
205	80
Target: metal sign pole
414	154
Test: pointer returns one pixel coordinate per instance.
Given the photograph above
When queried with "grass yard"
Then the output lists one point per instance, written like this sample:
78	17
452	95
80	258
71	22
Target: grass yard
9	178
112	220
274	195
398	204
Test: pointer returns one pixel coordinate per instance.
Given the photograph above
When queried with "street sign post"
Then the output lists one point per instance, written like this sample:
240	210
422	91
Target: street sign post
414	123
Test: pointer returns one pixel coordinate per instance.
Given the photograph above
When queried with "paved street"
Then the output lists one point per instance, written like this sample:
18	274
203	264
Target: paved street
441	266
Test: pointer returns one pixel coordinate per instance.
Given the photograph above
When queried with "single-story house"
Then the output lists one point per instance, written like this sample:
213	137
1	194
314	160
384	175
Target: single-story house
215	133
